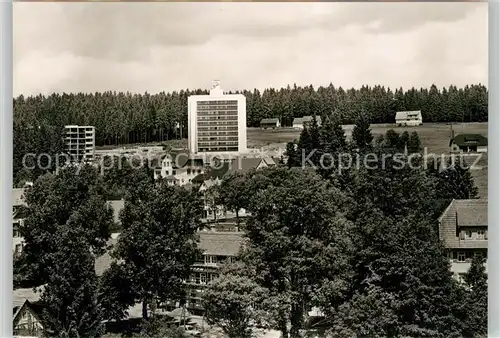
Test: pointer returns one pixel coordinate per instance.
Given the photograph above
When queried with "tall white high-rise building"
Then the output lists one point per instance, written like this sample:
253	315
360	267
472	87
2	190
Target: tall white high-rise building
80	142
217	122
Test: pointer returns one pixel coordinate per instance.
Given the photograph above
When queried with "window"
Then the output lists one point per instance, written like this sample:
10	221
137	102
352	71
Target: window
173	172
189	171
462	235
480	234
468	234
203	278
461	256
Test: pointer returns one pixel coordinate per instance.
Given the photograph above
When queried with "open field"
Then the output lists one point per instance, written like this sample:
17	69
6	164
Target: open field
434	136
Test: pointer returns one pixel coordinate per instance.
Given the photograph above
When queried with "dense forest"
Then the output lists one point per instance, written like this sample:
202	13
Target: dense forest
122	118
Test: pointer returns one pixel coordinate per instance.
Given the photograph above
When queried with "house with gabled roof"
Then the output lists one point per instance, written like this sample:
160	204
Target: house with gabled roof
27	312
463	229
469	143
409	118
217	249
178	168
270	123
300	122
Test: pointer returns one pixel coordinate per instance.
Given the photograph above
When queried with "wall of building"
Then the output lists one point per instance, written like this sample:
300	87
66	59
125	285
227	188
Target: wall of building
216	95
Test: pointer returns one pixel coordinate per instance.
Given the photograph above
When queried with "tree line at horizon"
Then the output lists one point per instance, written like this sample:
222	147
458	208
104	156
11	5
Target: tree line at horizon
360	244
124	118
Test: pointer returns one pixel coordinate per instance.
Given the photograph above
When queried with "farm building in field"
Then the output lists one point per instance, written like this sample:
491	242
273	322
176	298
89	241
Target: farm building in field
409	118
300	122
469	143
270	123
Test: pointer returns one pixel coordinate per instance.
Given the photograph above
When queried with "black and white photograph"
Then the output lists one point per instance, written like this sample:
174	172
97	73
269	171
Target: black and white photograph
250	170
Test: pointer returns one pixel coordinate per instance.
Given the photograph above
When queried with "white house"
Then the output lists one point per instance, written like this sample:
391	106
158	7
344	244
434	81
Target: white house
179	170
409	118
300	122
270	123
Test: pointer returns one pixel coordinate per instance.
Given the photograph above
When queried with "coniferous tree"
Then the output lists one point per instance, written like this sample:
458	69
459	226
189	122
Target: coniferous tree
361	133
414	143
476	281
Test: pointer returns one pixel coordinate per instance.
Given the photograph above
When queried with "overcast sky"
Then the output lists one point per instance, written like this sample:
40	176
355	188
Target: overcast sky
138	47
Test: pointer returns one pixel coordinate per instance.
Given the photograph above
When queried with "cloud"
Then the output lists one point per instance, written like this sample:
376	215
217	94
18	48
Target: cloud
169	46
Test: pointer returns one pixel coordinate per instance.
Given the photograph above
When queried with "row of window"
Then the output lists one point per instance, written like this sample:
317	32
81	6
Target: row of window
231	118
218	149
218	112
474	235
218	123
218	102
463	256
211	129
217	143
218	138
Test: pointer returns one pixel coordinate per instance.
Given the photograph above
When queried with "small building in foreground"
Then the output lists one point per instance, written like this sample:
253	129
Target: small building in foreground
270	123
469	143
463	228
409	118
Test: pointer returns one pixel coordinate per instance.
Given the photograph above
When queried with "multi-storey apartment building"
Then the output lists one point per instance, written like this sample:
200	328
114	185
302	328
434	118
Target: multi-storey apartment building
80	142
217	122
463	228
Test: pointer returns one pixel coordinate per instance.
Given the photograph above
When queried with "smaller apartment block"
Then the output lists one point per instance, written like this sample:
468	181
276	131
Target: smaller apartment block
463	228
80	142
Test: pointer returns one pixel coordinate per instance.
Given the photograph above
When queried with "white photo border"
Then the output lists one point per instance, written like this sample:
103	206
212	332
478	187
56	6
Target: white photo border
6	106
493	169
6	145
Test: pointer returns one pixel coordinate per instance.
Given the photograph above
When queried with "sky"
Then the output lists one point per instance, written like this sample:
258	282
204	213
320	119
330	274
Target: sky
153	47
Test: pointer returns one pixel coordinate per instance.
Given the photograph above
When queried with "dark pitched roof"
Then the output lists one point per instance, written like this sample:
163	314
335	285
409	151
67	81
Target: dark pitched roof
221	243
183	158
405	114
269	121
216	172
472	214
244	165
212	243
309	118
20	296
306	119
463	213
464	140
